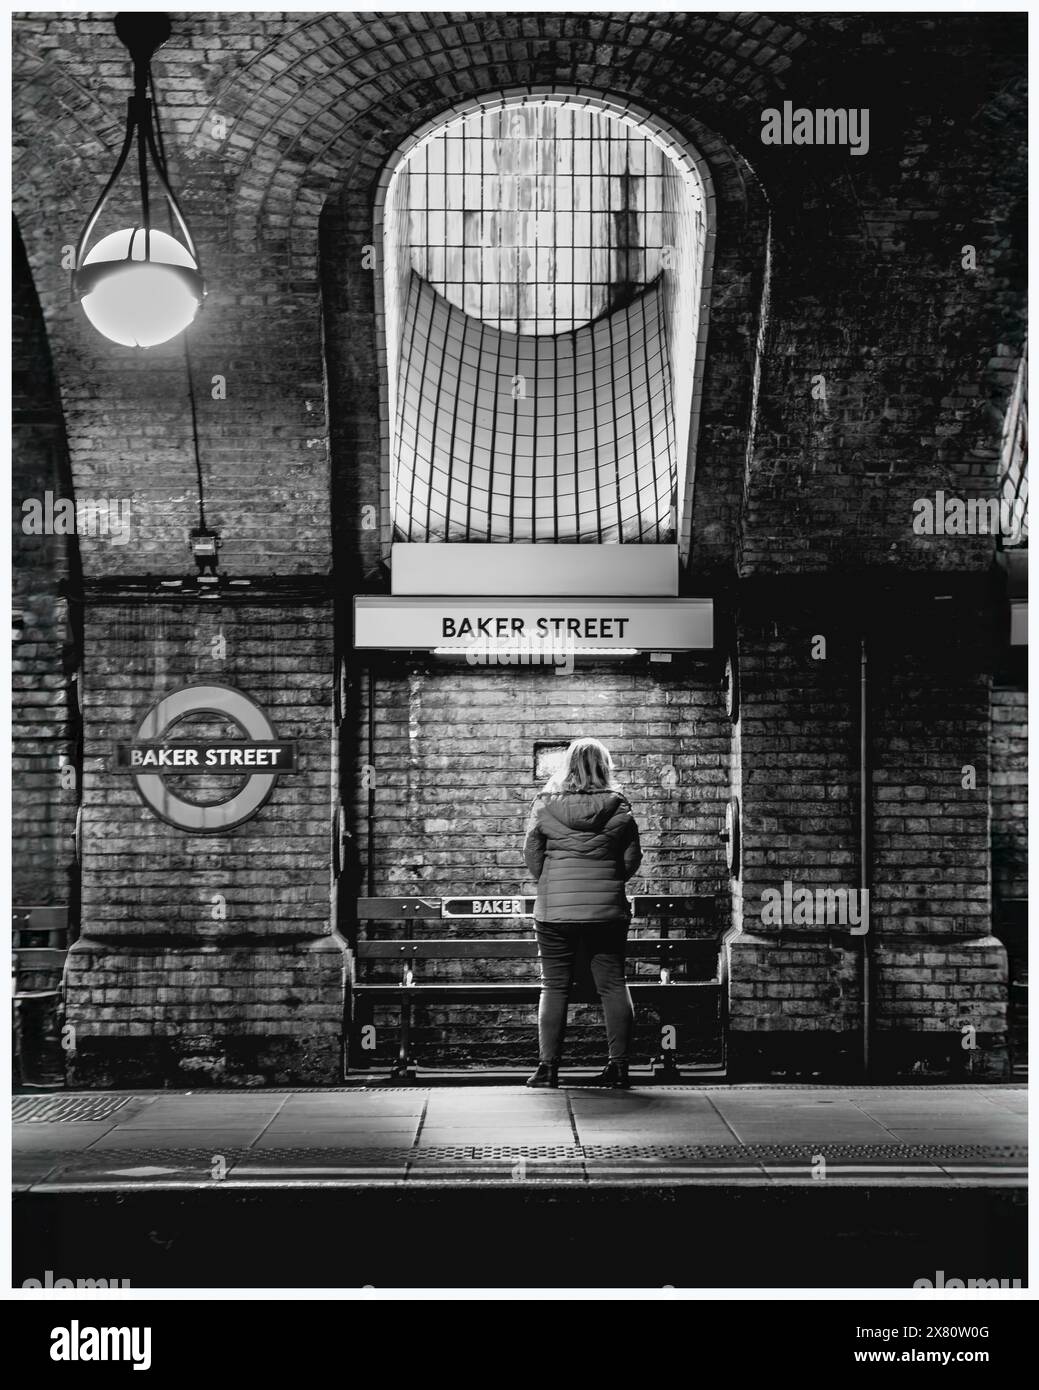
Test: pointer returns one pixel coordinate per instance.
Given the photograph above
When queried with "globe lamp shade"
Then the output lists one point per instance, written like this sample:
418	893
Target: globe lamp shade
139	290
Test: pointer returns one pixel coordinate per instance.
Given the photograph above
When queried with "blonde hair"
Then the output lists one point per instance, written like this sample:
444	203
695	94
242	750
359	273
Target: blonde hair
587	767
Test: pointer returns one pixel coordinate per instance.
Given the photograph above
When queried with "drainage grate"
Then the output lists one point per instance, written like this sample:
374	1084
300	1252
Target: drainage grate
935	1152
65	1108
732	1153
500	1151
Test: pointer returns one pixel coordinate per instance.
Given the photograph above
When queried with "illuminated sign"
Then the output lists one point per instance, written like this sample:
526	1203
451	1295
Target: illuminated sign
156	753
608	624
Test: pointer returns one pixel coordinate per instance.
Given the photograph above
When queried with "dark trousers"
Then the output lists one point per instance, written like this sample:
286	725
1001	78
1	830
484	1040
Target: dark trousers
558	946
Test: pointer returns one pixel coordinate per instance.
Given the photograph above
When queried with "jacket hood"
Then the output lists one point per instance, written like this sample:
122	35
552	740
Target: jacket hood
582	810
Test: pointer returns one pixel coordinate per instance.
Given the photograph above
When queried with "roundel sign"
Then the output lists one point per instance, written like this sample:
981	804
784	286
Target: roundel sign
234	771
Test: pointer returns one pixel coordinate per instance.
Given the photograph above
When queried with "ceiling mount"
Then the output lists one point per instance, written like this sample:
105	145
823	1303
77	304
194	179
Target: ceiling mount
143	33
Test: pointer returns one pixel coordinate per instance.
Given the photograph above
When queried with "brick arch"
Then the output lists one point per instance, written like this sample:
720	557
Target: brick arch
296	146
62	150
738	232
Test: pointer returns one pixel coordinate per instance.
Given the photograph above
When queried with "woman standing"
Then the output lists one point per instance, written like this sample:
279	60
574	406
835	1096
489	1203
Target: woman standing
582	846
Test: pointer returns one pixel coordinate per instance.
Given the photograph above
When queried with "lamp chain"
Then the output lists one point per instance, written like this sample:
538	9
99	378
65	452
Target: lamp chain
187	350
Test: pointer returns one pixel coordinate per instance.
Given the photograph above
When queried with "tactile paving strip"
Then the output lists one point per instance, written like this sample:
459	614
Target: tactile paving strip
66	1108
733	1153
328	1156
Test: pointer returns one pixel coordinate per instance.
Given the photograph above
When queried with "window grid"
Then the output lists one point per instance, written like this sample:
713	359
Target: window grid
584	452
529	240
536	219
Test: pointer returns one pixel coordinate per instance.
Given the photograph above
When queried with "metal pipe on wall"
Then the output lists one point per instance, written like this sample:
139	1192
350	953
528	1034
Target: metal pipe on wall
864	856
370	843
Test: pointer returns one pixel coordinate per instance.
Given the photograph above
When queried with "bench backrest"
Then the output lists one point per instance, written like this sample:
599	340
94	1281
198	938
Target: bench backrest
511	906
510	948
36	927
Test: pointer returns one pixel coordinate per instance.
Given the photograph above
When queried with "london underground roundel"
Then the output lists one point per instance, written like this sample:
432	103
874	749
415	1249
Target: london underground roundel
251	763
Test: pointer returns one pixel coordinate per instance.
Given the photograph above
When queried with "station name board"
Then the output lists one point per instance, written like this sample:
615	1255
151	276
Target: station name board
191	758
246	768
487	907
427	623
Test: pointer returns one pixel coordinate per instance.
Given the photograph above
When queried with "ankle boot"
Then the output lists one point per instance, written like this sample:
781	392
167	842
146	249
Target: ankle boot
547	1074
615	1075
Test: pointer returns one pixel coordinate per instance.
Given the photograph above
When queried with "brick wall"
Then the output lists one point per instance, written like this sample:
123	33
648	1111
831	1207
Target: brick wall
216	949
1008	746
44	654
936	968
940	970
795	992
1009	775
454	777
871	299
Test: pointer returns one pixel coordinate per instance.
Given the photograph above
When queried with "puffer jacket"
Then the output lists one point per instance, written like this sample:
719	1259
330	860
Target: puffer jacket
582	847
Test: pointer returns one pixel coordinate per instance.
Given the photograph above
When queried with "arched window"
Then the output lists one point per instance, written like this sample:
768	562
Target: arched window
1013	477
546	264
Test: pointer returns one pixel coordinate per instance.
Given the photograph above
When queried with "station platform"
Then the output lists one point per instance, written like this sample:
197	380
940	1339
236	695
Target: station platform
438	1136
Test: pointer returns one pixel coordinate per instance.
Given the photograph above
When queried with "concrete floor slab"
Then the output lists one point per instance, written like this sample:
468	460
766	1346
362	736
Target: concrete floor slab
345	1124
215	1139
969	1134
372	1138
465	1134
44	1135
27	1170
174	1116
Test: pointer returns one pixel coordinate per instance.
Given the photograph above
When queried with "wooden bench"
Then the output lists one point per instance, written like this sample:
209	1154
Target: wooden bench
684	964
39	943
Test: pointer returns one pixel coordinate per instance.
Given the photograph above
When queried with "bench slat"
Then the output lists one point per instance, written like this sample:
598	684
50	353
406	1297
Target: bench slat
382	909
38	957
429	909
40	918
460	992
505	948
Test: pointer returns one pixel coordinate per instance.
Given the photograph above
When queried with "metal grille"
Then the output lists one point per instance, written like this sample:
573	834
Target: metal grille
502	437
525	226
536	218
66	1108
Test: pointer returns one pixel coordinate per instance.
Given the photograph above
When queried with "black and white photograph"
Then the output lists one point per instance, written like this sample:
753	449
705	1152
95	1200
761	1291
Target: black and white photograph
518	696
